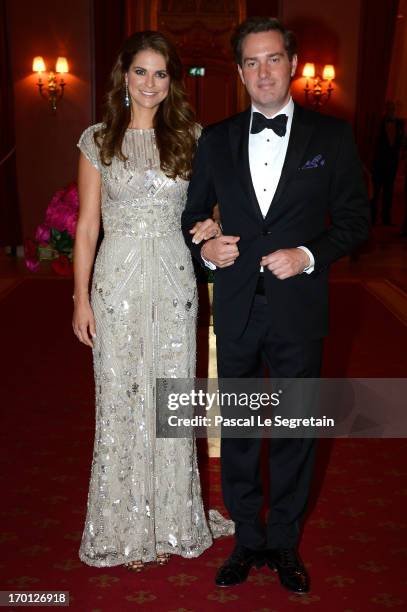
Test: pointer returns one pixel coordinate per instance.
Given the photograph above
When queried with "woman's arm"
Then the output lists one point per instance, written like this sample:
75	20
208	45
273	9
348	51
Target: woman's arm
87	232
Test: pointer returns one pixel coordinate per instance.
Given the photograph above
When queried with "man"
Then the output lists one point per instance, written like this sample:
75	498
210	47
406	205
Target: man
404	228
276	171
385	162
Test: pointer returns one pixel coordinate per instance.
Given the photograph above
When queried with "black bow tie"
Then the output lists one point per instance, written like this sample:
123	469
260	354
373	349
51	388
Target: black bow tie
277	124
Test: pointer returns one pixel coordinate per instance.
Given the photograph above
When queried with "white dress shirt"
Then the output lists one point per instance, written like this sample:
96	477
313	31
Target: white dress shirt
267	152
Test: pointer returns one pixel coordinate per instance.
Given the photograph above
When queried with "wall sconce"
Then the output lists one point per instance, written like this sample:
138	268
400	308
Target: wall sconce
317	94
54	90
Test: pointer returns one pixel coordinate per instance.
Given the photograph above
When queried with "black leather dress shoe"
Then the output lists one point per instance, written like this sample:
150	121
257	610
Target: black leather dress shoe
291	571
236	569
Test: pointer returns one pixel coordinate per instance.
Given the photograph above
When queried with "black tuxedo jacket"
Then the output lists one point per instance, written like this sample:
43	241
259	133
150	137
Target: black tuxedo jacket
387	154
320	203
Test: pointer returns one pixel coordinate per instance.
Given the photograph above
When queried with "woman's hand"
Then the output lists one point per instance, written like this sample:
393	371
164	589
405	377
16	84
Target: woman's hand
204	230
83	321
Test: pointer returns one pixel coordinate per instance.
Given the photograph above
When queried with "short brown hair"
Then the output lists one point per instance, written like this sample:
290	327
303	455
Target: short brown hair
254	25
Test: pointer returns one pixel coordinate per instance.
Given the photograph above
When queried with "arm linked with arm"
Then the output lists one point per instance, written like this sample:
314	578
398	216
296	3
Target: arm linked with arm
201	196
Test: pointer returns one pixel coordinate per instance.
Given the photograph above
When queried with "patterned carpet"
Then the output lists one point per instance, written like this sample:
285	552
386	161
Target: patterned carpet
354	544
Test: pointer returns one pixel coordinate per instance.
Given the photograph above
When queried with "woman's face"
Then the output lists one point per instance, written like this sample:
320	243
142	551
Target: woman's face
148	79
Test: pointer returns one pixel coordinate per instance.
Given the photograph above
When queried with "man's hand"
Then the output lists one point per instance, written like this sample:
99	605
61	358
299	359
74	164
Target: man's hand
285	263
221	251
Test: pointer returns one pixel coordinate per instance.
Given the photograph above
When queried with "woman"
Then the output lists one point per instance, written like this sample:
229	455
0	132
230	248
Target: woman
144	499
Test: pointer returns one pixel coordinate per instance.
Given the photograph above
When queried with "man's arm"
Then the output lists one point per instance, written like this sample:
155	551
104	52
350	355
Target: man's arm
201	199
201	196
350	218
348	207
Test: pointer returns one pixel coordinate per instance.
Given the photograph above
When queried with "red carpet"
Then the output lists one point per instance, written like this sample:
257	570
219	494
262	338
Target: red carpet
354	542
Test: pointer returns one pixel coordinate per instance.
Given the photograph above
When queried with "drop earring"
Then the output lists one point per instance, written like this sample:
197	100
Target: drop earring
126	95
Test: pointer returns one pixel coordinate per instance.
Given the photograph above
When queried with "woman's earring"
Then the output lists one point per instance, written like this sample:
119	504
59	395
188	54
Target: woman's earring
126	96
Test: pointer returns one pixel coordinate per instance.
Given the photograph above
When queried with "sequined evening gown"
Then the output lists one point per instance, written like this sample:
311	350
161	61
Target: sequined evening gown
144	496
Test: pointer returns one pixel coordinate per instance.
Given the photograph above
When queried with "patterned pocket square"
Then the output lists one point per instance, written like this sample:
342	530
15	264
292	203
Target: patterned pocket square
317	161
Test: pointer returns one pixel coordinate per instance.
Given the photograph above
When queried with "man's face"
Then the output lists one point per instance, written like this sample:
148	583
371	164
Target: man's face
266	70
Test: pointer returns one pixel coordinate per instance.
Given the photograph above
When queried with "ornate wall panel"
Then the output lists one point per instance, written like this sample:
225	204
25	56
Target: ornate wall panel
201	30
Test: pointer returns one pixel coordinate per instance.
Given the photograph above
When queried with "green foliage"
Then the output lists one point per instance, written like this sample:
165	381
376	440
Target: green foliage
61	241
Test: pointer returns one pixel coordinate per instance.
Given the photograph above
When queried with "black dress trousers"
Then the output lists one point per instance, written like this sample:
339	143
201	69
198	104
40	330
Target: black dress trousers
290	459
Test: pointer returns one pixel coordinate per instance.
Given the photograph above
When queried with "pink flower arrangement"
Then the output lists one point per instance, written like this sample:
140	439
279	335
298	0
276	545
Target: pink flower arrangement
62	211
43	234
54	238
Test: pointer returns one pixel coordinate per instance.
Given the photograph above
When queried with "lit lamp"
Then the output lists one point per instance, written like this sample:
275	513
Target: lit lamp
318	94
309	70
55	89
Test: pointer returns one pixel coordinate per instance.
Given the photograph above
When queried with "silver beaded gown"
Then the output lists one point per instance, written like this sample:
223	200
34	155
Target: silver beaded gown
144	496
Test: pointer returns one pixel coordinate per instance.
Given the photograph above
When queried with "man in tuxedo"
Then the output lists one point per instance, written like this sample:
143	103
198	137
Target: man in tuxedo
385	162
277	172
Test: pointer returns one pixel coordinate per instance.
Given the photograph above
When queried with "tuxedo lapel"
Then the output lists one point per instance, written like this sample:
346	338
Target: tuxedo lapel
301	131
239	142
